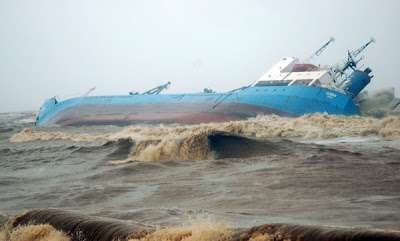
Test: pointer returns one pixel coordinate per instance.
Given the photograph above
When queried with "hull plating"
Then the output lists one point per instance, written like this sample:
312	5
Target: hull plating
196	108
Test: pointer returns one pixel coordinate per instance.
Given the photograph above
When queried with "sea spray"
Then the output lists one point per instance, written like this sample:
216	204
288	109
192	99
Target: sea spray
377	104
41	232
201	229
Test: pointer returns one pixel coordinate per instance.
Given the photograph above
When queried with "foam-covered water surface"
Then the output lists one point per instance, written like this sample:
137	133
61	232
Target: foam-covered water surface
312	170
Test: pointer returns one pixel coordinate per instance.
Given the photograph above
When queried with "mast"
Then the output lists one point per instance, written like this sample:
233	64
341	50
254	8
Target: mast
351	61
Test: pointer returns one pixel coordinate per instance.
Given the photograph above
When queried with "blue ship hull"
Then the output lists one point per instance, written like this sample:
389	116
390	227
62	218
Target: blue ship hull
196	108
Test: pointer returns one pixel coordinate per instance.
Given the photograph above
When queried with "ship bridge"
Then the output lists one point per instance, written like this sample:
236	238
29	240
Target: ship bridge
289	71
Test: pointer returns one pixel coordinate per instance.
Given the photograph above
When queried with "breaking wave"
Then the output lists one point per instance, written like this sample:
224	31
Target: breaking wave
28	134
54	224
204	145
41	232
312	125
223	140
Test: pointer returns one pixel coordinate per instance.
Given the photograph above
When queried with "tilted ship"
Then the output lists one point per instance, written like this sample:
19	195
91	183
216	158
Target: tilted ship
290	88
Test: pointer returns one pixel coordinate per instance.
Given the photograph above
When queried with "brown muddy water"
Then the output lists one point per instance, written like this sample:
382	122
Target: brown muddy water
316	177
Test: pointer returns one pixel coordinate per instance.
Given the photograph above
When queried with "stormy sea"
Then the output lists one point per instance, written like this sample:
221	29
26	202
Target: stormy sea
315	177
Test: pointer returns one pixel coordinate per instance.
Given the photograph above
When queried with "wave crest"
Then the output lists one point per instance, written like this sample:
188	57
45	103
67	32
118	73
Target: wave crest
34	223
307	126
195	142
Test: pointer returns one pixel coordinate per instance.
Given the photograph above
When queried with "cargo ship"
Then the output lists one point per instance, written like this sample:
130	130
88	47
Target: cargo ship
290	88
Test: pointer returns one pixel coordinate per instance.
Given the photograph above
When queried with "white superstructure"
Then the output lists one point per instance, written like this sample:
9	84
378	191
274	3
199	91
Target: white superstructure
289	71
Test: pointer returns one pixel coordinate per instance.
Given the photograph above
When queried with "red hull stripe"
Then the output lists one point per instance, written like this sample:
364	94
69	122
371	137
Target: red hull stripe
187	118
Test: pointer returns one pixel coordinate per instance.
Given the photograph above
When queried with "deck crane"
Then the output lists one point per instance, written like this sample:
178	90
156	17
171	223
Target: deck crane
320	50
351	62
358	51
88	92
157	90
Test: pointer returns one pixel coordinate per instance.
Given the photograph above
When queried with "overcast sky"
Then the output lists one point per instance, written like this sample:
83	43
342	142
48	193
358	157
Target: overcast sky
63	48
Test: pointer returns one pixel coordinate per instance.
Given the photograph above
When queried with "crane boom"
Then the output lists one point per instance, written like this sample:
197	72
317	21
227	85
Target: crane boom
157	90
358	51
320	50
88	92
